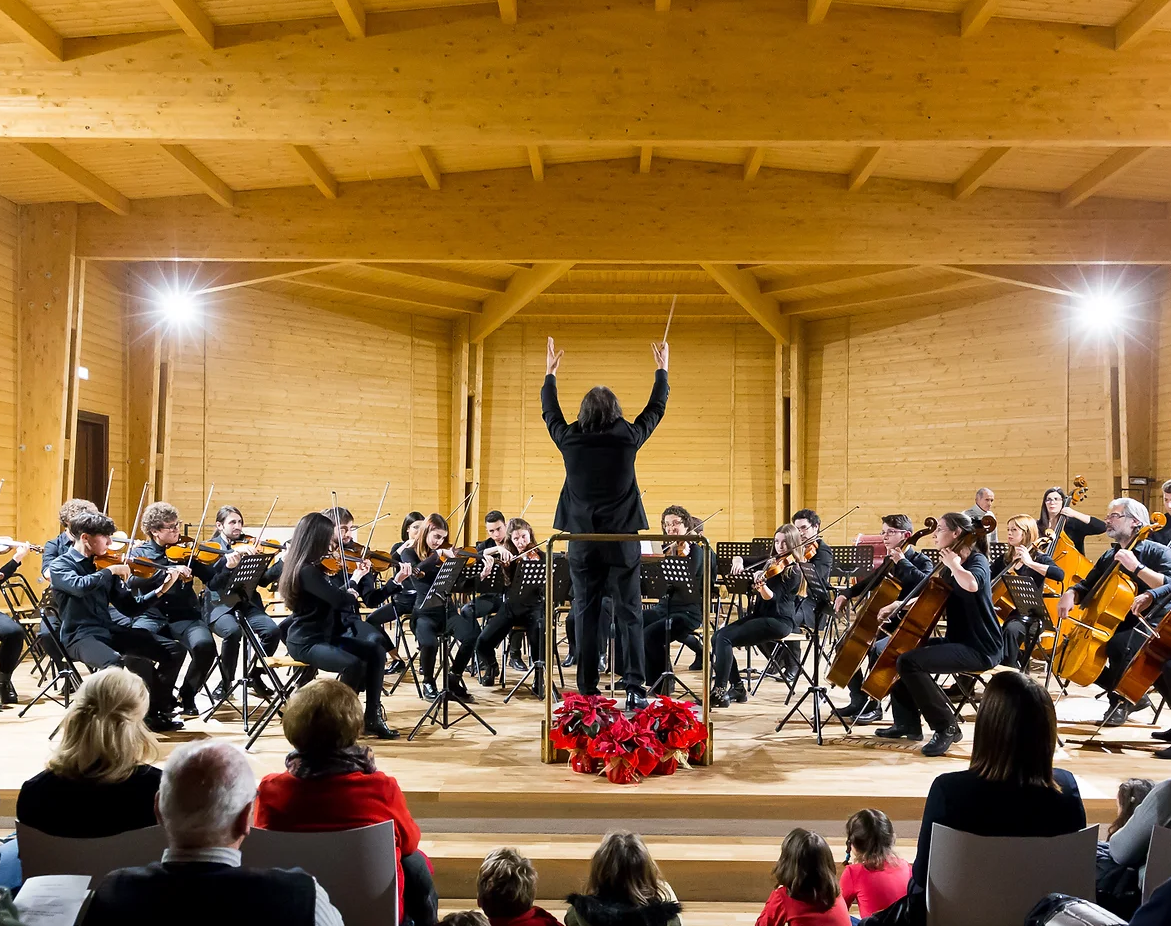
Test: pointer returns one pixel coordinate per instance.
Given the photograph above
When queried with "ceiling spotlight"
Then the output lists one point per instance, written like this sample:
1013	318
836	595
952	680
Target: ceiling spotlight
179	307
1100	310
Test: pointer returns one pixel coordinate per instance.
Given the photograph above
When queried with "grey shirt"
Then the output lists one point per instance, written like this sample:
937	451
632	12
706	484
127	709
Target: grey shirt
976	513
1129	845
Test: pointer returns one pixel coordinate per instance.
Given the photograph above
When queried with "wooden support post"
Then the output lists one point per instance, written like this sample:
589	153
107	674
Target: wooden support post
460	330
475	422
49	313
781	462
148	395
797	416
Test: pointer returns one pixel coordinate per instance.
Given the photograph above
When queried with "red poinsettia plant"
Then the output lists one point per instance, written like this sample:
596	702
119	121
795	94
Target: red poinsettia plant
630	751
678	727
576	721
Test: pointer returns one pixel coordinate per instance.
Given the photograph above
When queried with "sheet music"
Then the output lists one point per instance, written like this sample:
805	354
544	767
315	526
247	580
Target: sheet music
52	900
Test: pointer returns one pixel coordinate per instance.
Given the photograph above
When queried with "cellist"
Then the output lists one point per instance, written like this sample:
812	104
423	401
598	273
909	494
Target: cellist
1149	566
1163	534
1022	560
1153	606
910	567
973	642
1078	524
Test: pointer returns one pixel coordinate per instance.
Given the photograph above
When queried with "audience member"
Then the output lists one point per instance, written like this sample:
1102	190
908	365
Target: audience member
205	803
506	889
874	876
625	888
1123	860
1157	910
330	783
465	918
1009	789
807	891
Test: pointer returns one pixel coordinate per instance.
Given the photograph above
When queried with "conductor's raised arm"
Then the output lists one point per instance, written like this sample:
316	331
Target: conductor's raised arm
656	406
550	405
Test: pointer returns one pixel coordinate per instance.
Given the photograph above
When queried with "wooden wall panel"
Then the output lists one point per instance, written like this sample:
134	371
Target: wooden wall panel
273	396
1162	392
913	414
103	353
8	238
713	450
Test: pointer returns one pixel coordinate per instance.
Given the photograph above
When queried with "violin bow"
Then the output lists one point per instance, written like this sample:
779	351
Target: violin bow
821	530
341	547
526	507
264	526
134	526
464	520
374	523
374	520
467	498
109	485
199	530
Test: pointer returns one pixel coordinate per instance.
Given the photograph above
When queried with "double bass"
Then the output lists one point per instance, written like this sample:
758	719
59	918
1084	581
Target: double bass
1061	550
863	630
1147	665
1082	650
930	597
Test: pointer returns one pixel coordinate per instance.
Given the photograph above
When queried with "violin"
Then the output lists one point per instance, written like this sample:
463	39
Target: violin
139	566
332	563
1002	602
7	544
380	560
206	551
676	548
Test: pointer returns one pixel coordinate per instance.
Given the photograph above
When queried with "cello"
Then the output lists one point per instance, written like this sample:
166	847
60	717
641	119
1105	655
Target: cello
930	597
863	630
1061	550
1002	602
1147	665
1083	647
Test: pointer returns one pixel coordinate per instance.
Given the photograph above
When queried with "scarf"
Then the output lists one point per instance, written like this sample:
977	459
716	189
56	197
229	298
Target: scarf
335	762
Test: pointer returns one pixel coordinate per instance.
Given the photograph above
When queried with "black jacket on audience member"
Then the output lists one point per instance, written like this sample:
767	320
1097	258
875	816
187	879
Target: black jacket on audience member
81	808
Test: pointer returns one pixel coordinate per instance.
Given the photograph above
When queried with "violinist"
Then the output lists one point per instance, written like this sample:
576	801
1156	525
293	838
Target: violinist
814	604
11	636
177	613
773	617
1078	524
909	568
368	593
225	607
524	607
318	632
684	610
485	605
973	641
1021	534
404	598
1163	534
64	540
84	594
433	622
1149	566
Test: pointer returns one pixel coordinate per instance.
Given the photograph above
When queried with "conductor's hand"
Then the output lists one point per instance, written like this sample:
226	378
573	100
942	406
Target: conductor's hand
662	352
552	359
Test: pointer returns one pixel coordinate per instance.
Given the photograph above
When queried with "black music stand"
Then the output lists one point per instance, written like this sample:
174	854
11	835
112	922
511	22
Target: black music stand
243	581
816	690
531	575
438	596
1030	605
670	577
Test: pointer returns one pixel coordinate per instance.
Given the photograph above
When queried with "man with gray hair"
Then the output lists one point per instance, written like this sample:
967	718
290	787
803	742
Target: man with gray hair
204	804
1148	564
985	499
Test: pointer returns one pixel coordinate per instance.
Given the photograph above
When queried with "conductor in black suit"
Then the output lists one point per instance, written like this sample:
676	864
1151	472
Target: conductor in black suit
601	496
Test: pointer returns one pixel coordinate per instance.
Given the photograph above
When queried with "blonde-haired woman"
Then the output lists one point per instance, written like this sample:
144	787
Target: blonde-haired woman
625	888
1021	534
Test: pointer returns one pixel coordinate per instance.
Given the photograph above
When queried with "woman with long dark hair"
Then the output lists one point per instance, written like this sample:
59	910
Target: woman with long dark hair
1078	524
317	633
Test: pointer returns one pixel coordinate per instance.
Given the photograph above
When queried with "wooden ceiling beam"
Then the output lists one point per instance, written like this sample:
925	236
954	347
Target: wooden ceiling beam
1054	81
867	162
507	11
974	176
878	294
204	176
644	159
1139	22
815	11
189	16
536	162
356	287
524	286
784	217
440	275
425	161
1004	275
353	17
975	15
236	275
1093	181
745	289
79	176
752	163
319	174
833	275
662	288
31	29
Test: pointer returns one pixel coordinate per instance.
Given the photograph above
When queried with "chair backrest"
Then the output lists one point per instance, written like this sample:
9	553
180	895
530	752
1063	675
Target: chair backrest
41	854
358	868
997	880
1158	868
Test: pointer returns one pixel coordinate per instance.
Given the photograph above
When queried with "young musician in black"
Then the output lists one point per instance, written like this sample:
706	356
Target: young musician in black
225	608
1078	524
64	540
11	634
973	642
1149	565
1021	534
84	593
520	607
176	614
684	610
368	593
434	621
318	632
1163	534
910	567
814	604
485	604
772	617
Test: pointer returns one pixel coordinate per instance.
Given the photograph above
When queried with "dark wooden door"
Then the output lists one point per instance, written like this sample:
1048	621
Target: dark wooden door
91	455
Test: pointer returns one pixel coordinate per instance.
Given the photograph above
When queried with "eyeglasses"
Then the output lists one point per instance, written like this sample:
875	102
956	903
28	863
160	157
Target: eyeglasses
888	532
1114	516
672	523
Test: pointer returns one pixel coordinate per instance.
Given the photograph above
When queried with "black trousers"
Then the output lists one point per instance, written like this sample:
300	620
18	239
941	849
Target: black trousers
359	663
431	626
420	899
499	624
156	660
916	692
605	626
744	632
684	622
227	628
11	644
1119	651
1015	631
195	637
482	607
592	568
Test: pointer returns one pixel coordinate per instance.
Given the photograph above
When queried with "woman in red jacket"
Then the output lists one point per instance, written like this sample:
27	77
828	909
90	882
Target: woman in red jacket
331	784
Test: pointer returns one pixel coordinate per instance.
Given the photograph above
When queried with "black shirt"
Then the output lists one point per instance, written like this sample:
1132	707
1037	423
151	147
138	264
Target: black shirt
54	548
783	604
1163	534
420	583
823	563
321	608
971	621
678	601
912	569
84	594
1053	571
81	808
1077	532
180	603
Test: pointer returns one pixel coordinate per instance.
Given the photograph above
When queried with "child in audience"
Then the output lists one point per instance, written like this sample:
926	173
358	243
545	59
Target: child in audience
1122	860
506	888
464	918
624	888
877	877
807	891
1130	794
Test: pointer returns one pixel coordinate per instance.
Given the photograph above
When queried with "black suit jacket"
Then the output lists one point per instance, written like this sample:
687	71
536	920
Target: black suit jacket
600	494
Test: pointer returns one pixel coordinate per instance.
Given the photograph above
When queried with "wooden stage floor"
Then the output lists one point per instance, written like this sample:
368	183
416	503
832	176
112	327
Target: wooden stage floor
758	774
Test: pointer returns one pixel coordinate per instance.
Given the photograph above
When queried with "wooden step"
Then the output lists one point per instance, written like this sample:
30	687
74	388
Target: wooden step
695	913
725	869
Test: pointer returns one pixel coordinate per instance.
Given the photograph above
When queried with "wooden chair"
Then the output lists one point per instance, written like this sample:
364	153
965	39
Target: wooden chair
42	854
1158	867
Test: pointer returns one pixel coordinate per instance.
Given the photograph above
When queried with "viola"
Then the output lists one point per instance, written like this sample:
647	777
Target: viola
380	560
919	622
7	544
863	631
1082	651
